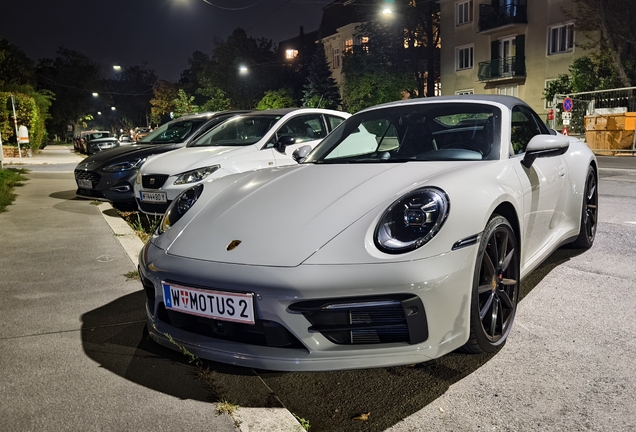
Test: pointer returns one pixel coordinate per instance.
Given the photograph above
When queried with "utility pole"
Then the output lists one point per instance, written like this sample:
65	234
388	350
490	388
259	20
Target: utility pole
15	122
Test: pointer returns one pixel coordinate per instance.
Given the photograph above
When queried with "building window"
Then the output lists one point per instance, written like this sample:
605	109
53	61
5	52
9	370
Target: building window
336	58
508	91
364	42
464	12
348	45
291	53
561	39
465	57
465	92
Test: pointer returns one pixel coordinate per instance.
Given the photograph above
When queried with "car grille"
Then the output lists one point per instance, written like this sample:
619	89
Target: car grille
87	175
262	333
153	181
367	320
153	208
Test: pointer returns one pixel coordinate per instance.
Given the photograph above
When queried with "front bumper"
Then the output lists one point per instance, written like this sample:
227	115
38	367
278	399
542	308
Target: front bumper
443	284
113	187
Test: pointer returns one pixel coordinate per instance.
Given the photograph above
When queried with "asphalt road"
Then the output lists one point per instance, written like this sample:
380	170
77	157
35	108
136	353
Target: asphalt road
568	364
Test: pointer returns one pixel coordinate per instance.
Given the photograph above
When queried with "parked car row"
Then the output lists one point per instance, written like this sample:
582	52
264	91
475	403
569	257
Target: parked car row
307	239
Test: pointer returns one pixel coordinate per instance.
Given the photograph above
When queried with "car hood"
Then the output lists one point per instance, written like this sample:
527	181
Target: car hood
120	154
188	158
282	216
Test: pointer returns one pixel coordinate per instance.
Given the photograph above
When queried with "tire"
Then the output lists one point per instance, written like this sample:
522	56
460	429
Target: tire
495	288
589	213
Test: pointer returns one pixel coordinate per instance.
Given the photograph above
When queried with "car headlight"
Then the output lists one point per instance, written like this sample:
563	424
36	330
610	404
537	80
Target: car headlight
179	206
412	221
195	175
125	166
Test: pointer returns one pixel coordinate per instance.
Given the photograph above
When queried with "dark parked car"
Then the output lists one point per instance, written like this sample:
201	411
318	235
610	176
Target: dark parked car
90	136
110	175
99	144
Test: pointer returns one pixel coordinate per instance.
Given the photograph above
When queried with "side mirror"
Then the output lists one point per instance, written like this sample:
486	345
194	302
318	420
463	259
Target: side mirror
544	146
301	153
283	142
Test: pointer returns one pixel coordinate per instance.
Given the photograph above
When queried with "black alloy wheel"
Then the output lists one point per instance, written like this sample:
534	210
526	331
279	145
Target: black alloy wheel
589	213
495	287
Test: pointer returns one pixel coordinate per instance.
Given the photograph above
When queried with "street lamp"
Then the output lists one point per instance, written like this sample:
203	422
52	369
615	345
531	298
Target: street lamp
113	108
95	94
243	70
387	9
117	68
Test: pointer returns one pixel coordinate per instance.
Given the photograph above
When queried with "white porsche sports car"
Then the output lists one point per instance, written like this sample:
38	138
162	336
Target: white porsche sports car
401	237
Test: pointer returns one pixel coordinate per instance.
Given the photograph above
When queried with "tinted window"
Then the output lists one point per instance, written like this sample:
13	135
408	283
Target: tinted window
445	131
238	131
173	132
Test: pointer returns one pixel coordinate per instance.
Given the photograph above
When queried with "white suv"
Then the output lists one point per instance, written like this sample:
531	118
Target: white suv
250	141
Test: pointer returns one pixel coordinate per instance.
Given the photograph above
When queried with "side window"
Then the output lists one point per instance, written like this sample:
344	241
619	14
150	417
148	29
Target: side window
304	128
333	121
523	128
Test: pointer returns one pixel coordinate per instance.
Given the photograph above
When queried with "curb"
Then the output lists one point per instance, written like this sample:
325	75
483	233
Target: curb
246	419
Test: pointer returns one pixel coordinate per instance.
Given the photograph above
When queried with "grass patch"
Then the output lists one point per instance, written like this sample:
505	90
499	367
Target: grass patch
10	178
226	407
143	224
96	203
303	423
133	275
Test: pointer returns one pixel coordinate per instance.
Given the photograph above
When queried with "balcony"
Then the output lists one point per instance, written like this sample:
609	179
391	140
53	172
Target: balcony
502	68
491	17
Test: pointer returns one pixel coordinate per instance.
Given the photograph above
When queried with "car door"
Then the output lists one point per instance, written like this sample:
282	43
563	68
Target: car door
307	129
542	184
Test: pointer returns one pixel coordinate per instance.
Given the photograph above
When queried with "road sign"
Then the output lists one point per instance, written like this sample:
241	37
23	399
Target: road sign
568	104
565	131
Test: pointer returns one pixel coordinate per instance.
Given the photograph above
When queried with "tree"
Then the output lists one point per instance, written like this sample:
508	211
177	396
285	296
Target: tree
184	104
72	77
131	93
221	70
587	73
614	20
163	103
15	67
321	90
217	99
274	99
378	71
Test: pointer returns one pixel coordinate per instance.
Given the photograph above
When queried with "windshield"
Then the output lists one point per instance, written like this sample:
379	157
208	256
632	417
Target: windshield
173	132
422	132
238	131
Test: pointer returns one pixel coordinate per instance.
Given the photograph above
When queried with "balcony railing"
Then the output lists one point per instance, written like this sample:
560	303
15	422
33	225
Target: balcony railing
492	17
501	68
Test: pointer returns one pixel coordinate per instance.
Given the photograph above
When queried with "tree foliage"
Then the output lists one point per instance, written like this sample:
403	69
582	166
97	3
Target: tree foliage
614	21
15	67
587	73
274	99
71	76
376	72
184	104
321	90
215	98
163	104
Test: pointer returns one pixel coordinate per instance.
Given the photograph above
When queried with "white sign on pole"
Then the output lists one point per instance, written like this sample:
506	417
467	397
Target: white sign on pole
566	122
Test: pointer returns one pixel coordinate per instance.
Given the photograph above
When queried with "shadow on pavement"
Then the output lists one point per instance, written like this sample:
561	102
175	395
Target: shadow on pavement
66	195
330	400
114	336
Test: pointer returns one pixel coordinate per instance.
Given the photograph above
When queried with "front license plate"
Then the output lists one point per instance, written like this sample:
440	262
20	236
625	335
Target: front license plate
85	184
225	306
158	197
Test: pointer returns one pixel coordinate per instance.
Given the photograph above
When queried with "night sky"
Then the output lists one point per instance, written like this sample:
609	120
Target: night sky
163	33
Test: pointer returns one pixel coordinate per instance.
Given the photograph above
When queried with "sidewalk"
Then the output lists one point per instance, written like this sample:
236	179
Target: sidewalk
73	351
49	155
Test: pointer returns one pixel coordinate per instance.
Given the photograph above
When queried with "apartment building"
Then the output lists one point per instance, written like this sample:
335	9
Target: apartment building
511	47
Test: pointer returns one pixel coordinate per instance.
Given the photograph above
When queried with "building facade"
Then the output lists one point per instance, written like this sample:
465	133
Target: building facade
511	47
